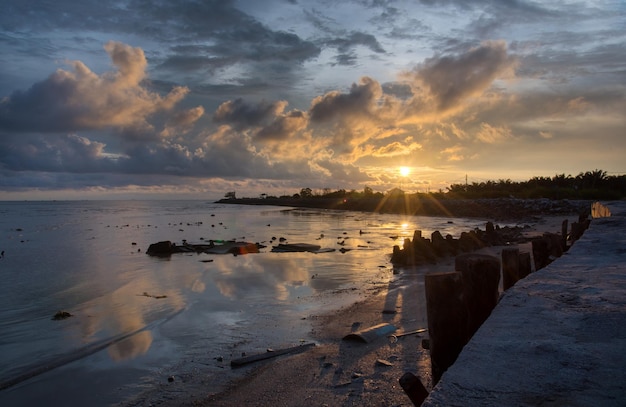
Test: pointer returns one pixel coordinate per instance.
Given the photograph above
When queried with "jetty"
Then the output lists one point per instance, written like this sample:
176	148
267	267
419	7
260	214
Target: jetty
556	337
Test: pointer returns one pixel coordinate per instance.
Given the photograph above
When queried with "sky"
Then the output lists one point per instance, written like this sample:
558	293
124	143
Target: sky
193	99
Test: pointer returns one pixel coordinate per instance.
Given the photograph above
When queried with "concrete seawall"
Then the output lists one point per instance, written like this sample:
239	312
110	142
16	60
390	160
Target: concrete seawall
556	338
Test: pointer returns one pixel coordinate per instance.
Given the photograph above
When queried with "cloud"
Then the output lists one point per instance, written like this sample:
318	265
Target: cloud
241	114
182	122
396	148
122	128
359	102
283	127
450	80
346	46
66	153
70	101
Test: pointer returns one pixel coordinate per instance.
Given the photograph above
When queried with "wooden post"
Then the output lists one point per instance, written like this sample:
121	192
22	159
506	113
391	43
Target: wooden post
541	252
564	227
447	319
481	278
510	267
524	265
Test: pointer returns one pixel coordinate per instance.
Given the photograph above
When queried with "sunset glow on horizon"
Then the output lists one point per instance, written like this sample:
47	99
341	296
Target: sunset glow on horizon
221	96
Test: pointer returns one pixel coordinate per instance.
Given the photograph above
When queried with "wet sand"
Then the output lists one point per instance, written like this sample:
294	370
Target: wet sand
338	372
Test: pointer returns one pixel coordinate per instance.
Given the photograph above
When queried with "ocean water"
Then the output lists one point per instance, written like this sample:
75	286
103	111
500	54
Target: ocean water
137	319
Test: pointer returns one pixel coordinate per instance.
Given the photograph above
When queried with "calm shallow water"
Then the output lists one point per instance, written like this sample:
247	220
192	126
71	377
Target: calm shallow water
88	258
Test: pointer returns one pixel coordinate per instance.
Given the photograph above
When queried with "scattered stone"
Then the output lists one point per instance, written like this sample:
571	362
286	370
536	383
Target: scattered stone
170	379
383	362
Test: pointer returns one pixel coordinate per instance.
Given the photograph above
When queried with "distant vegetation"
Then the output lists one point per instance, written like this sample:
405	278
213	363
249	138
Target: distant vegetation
588	185
463	199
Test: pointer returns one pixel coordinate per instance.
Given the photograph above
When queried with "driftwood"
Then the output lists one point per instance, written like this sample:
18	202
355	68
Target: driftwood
370	334
270	354
394	338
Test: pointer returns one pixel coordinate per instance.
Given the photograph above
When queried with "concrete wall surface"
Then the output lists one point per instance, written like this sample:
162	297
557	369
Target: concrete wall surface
556	338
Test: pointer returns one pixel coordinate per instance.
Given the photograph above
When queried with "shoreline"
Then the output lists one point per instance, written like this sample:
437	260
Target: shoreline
338	372
495	209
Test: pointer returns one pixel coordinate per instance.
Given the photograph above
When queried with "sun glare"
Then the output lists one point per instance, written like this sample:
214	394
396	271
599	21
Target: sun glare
404	171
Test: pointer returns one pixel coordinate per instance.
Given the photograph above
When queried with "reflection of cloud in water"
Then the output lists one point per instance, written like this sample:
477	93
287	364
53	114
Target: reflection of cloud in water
126	310
270	276
129	348
198	286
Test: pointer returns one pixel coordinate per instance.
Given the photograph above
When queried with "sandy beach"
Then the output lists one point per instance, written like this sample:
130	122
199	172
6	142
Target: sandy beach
337	372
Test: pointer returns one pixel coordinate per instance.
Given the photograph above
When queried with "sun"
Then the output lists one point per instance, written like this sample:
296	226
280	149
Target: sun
404	171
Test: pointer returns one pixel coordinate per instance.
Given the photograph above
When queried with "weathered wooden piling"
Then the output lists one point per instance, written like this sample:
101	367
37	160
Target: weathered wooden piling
481	278
447	319
510	267
541	252
564	227
525	267
439	244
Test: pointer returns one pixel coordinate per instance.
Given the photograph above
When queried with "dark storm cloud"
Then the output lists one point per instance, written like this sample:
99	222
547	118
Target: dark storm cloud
343	105
76	155
241	113
345	42
194	36
353	39
267	121
283	127
588	64
70	153
450	79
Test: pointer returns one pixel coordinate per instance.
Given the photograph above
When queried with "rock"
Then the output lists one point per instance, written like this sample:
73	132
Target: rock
164	248
383	362
61	315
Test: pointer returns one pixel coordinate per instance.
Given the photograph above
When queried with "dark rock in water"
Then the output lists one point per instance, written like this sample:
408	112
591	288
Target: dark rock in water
167	248
164	248
296	247
61	315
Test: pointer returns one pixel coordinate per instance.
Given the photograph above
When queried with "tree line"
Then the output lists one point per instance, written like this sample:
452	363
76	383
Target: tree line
589	185
596	184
